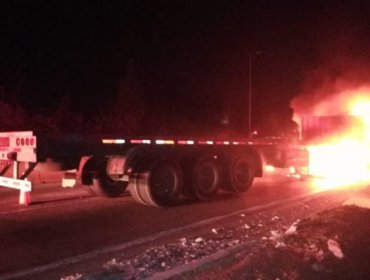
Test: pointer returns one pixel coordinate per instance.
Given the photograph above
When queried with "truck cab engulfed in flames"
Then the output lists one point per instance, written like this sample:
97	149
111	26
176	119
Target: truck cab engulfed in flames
338	148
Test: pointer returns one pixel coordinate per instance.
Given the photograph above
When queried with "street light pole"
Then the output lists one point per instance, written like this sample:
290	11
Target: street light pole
251	54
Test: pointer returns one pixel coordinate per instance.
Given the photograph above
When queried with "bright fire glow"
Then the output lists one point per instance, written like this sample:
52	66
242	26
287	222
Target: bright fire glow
339	164
362	110
344	160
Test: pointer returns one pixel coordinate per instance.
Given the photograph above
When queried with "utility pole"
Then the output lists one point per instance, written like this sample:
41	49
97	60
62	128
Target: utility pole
250	63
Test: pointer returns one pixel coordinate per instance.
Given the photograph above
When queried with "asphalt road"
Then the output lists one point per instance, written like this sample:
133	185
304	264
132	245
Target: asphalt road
64	223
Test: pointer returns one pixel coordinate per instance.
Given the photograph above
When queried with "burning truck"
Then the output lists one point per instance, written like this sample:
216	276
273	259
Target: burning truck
338	145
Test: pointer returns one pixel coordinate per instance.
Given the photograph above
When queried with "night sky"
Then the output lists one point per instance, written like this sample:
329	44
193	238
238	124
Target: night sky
180	62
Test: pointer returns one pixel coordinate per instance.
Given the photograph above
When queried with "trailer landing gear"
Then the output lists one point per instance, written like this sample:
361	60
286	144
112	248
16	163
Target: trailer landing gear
96	179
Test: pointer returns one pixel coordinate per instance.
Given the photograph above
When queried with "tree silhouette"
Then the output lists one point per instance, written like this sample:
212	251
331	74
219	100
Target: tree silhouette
125	115
67	120
12	117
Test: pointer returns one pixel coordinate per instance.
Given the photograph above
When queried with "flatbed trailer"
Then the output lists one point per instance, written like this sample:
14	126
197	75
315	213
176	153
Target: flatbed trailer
156	171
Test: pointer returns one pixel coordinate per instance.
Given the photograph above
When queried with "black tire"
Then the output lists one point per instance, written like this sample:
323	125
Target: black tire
100	183
242	173
206	178
160	186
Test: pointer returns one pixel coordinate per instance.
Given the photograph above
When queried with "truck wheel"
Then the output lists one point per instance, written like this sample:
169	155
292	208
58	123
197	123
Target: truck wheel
102	184
242	173
138	186
206	178
160	186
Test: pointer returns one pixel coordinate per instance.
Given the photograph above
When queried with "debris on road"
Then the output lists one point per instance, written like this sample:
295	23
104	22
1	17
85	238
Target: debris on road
334	247
292	229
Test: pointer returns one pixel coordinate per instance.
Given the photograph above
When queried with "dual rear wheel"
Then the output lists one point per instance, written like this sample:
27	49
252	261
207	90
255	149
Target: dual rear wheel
160	186
241	173
206	179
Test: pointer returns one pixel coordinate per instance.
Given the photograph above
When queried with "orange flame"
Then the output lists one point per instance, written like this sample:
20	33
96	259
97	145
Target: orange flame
344	160
361	108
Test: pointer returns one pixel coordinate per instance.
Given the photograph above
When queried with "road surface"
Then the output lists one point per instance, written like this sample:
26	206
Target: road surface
64	223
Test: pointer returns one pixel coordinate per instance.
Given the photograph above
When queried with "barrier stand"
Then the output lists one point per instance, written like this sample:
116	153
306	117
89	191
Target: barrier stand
18	147
24	196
